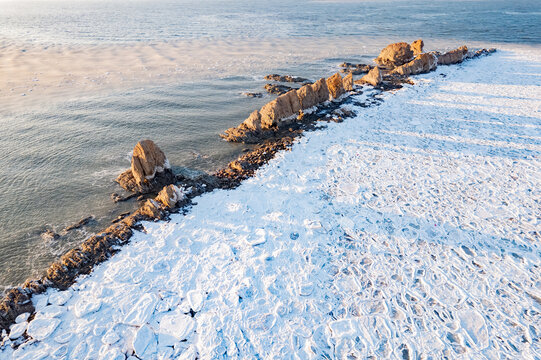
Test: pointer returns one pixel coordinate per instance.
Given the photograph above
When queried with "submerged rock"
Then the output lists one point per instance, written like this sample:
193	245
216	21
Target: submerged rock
373	77
355	69
423	63
417	47
253	94
277	89
286	78
394	55
150	169
80	223
453	57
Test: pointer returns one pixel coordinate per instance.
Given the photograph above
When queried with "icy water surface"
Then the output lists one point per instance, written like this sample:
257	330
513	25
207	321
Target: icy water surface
82	81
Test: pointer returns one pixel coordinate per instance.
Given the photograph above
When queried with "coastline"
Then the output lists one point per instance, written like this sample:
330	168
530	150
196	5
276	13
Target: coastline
123	232
100	247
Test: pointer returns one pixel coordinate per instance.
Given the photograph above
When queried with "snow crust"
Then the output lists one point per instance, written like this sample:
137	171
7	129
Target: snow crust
410	231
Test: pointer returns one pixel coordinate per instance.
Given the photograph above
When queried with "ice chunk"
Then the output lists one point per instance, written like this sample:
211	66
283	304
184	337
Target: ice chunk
86	306
195	298
142	311
144	342
42	328
474	324
17	330
60	297
174	327
22	318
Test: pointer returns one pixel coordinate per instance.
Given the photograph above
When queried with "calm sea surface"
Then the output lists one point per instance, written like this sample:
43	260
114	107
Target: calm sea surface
58	159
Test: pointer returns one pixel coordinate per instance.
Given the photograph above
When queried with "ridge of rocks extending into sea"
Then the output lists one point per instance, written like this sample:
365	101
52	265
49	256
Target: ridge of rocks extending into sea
394	64
274	128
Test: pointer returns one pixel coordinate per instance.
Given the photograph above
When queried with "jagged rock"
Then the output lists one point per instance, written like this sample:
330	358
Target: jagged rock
453	57
335	86
423	63
417	47
150	169
307	97
355	69
170	196
373	77
321	91
286	78
347	82
394	55
290	104
277	89
150	209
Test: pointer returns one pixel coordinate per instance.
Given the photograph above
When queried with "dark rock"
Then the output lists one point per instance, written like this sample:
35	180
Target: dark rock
120	217
286	78
80	223
253	94
277	89
355	69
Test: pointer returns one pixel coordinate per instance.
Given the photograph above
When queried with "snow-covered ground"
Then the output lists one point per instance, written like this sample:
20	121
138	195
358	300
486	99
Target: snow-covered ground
411	231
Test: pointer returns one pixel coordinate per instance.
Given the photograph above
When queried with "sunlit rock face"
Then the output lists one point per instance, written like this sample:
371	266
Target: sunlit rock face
423	63
453	57
150	169
394	55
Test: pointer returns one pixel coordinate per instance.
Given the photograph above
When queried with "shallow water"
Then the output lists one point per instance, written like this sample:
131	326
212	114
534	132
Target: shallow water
82	81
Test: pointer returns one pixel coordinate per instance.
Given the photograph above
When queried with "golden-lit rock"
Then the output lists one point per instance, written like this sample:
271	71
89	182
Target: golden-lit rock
423	63
373	77
394	55
417	47
335	86
347	82
453	57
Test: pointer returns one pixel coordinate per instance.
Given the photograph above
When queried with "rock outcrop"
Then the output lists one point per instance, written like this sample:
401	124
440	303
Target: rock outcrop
423	63
453	57
335	86
417	47
355	69
277	89
170	196
394	55
373	78
150	169
347	82
286	78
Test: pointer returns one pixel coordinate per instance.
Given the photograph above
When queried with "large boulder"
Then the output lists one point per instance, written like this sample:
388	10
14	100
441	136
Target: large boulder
423	63
394	55
417	47
335	86
453	57
150	169
373	77
170	196
253	122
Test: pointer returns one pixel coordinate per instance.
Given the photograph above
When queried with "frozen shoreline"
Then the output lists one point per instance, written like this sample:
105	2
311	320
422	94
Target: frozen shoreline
409	229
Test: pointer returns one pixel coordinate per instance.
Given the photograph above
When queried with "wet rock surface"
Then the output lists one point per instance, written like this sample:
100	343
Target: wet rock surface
277	89
355	69
287	78
253	94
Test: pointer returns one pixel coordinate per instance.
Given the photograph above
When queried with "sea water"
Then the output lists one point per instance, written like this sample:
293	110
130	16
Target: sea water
81	81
